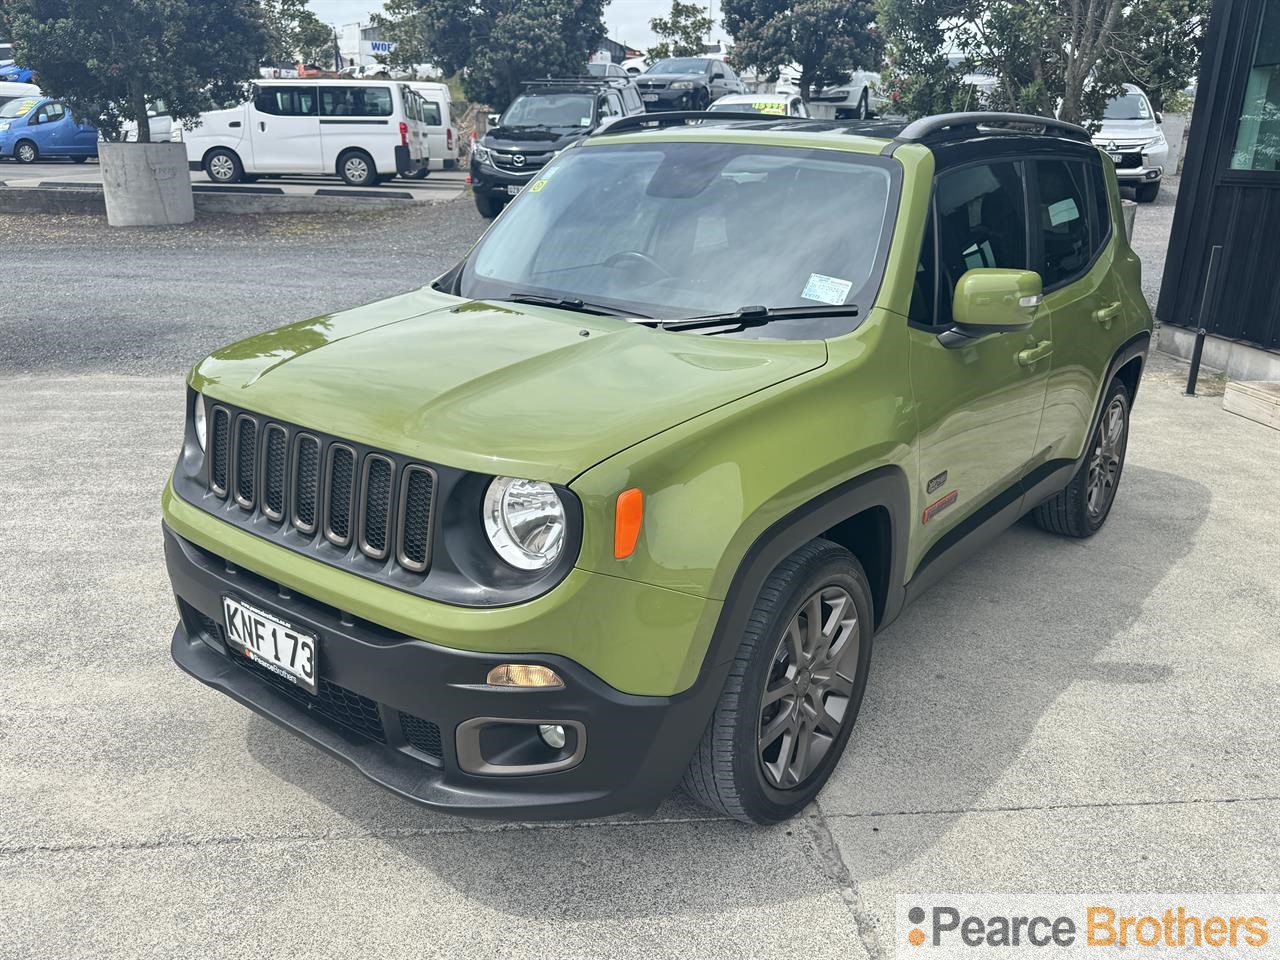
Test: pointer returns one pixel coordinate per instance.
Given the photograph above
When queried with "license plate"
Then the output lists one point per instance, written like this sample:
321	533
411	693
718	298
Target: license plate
512	190
1117	157
649	97
271	643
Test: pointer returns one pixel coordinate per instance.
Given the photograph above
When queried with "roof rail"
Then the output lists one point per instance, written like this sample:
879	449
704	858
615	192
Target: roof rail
585	80
672	118
922	129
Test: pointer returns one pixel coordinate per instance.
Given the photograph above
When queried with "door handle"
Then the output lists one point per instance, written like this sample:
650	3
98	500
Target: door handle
1104	315
234	123
262	125
1031	355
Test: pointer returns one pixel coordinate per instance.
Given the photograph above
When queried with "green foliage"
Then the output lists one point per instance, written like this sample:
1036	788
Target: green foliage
295	34
108	58
1157	45
825	38
498	44
682	33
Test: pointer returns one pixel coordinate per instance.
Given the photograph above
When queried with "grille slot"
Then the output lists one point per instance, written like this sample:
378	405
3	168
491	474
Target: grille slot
416	495
375	504
219	451
306	480
422	735
246	460
275	449
339	494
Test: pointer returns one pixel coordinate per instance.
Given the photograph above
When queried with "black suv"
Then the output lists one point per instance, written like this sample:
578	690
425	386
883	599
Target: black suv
547	117
687	83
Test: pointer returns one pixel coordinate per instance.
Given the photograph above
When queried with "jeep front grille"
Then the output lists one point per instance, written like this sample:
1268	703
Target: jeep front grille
326	492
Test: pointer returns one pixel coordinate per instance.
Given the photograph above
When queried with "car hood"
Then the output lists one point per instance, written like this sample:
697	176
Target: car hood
668	77
1126	130
526	391
556	139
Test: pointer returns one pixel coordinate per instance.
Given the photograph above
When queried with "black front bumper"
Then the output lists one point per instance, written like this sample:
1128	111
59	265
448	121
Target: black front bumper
382	693
492	181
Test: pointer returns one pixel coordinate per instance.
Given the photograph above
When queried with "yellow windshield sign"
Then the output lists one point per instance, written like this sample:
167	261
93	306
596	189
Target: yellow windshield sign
768	106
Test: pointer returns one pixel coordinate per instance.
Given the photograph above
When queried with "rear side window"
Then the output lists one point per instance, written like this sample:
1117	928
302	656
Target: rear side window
431	113
355	102
1101	205
1062	216
980	221
286	101
632	100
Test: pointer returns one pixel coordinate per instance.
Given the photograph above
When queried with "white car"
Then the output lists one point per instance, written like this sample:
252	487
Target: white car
160	125
442	136
1130	134
858	99
364	131
635	66
769	104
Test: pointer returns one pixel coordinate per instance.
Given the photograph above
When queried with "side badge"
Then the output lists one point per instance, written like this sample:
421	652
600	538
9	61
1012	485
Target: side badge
938	506
934	485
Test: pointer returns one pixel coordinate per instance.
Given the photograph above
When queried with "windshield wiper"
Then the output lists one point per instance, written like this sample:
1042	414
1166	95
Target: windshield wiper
757	315
571	303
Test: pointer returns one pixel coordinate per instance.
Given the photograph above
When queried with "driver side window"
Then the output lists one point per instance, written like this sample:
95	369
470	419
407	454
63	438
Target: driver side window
979	219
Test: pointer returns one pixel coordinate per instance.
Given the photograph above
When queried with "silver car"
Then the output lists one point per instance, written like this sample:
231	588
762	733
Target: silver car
1131	135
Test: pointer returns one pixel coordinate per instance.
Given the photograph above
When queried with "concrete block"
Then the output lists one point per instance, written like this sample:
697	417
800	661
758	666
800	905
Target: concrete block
146	184
1257	400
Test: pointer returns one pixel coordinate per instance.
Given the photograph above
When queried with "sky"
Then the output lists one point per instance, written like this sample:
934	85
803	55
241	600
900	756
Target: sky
628	20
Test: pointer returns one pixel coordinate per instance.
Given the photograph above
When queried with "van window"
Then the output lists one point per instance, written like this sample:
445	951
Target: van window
431	113
355	102
1063	221
286	101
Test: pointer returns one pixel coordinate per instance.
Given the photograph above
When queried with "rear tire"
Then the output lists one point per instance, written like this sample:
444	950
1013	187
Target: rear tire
79	159
357	168
24	151
1083	507
798	677
419	174
223	166
487	206
1146	192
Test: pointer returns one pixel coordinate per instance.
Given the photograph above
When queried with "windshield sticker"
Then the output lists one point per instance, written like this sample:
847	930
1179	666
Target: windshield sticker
1064	211
537	185
767	107
26	106
826	289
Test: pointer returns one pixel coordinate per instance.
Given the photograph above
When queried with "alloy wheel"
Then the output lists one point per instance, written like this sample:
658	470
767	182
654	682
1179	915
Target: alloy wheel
221	167
1107	459
356	170
26	153
810	686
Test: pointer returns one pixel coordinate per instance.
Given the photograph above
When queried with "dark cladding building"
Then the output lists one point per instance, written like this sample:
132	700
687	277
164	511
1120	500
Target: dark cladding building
1223	267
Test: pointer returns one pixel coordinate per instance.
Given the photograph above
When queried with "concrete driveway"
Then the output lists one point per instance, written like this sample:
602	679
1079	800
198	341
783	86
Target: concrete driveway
1057	716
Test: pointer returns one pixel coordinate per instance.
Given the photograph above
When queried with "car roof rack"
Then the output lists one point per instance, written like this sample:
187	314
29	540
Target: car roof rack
583	81
674	118
930	128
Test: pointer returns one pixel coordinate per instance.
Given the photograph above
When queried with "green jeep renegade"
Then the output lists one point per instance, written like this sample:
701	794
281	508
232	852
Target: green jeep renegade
621	500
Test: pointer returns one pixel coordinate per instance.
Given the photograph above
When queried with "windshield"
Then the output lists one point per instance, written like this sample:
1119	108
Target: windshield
679	65
598	69
675	230
550	110
1128	106
18	108
774	108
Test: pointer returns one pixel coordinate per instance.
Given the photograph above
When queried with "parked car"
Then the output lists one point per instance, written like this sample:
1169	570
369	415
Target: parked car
606	70
771	104
19	91
1130	134
36	128
547	117
624	498
361	130
160	125
686	83
858	99
442	137
634	66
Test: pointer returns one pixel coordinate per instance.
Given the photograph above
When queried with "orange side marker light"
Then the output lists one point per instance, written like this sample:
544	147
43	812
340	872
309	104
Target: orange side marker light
627	519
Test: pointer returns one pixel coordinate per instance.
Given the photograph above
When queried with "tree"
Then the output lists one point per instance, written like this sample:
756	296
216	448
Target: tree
1157	45
824	38
682	32
295	34
498	44
109	58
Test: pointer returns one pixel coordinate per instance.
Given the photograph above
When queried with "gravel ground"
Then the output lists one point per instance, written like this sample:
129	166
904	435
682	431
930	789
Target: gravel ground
82	297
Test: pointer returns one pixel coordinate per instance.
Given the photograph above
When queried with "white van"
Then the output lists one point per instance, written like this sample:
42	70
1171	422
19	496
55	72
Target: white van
18	91
365	131
443	137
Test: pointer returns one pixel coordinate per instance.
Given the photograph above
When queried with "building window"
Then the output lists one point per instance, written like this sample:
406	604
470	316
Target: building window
1258	137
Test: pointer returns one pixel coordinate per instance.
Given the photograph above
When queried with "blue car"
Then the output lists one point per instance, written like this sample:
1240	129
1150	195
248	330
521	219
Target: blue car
34	128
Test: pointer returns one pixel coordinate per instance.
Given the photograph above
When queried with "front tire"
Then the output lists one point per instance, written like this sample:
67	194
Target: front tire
487	206
26	152
1083	507
864	106
793	691
223	166
1147	192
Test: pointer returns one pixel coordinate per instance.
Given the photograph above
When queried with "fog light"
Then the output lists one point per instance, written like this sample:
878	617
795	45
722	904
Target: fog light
523	675
552	735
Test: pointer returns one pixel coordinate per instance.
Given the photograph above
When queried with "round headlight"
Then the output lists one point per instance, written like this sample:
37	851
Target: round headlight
525	522
199	420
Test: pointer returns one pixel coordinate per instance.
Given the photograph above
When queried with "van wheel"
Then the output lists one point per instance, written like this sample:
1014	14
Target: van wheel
356	168
419	174
793	692
79	159
1083	507
1146	192
223	166
26	152
864	106
488	207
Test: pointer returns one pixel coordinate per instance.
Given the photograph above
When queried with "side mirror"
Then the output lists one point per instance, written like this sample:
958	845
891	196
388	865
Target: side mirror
1159	117
494	119
994	300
